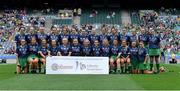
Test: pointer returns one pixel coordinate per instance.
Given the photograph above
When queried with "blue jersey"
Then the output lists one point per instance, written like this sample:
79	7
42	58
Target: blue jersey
124	37
61	36
22	50
53	50
76	50
64	50
154	41
113	37
134	53
125	51
44	50
30	36
142	52
115	50
96	50
74	36
143	38
93	38
82	38
86	51
19	37
105	51
33	48
40	37
53	37
133	38
102	37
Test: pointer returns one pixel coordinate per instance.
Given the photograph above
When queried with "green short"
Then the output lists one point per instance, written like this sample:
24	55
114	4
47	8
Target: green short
142	66
154	52
134	64
22	61
114	57
31	56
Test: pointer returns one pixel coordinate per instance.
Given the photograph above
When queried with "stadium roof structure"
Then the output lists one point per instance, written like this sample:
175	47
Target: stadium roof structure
133	4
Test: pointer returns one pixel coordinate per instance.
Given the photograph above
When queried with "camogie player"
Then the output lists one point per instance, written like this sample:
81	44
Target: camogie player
133	37
96	49
113	36
74	35
75	48
54	35
83	36
30	35
103	35
86	48
154	49
105	49
33	55
64	49
64	34
125	56
124	36
93	36
53	48
20	36
114	52
143	37
43	53
41	35
134	57
21	52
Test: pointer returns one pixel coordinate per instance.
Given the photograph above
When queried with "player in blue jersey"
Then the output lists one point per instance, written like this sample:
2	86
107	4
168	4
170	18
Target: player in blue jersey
134	57
105	48
20	36
143	37
41	35
96	49
22	52
31	34
64	34
65	49
124	36
154	49
73	35
93	36
125	57
103	35
86	48
133	37
33	55
43	53
113	36
75	48
54	35
53	48
83	36
114	52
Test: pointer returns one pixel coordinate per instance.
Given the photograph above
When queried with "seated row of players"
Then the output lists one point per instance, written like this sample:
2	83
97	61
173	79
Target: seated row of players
122	53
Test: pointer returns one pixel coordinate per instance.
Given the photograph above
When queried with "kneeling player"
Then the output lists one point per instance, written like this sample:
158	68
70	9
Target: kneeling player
134	58
43	52
22	57
114	51
33	55
125	60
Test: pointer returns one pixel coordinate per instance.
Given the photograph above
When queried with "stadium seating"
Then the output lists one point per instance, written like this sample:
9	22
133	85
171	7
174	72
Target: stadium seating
135	19
101	17
62	21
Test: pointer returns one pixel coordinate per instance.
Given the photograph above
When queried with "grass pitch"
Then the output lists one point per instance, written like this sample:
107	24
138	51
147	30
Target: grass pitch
169	80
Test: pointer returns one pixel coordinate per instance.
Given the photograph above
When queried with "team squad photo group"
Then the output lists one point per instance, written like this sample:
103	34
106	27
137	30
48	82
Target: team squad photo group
129	52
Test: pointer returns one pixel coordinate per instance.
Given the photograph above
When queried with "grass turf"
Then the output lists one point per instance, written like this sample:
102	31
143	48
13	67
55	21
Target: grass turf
169	80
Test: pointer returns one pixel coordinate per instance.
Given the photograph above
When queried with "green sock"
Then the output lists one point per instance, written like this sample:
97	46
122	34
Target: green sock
122	69
151	66
157	65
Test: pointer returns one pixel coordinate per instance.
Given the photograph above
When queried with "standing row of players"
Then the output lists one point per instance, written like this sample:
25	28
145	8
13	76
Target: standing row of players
124	51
